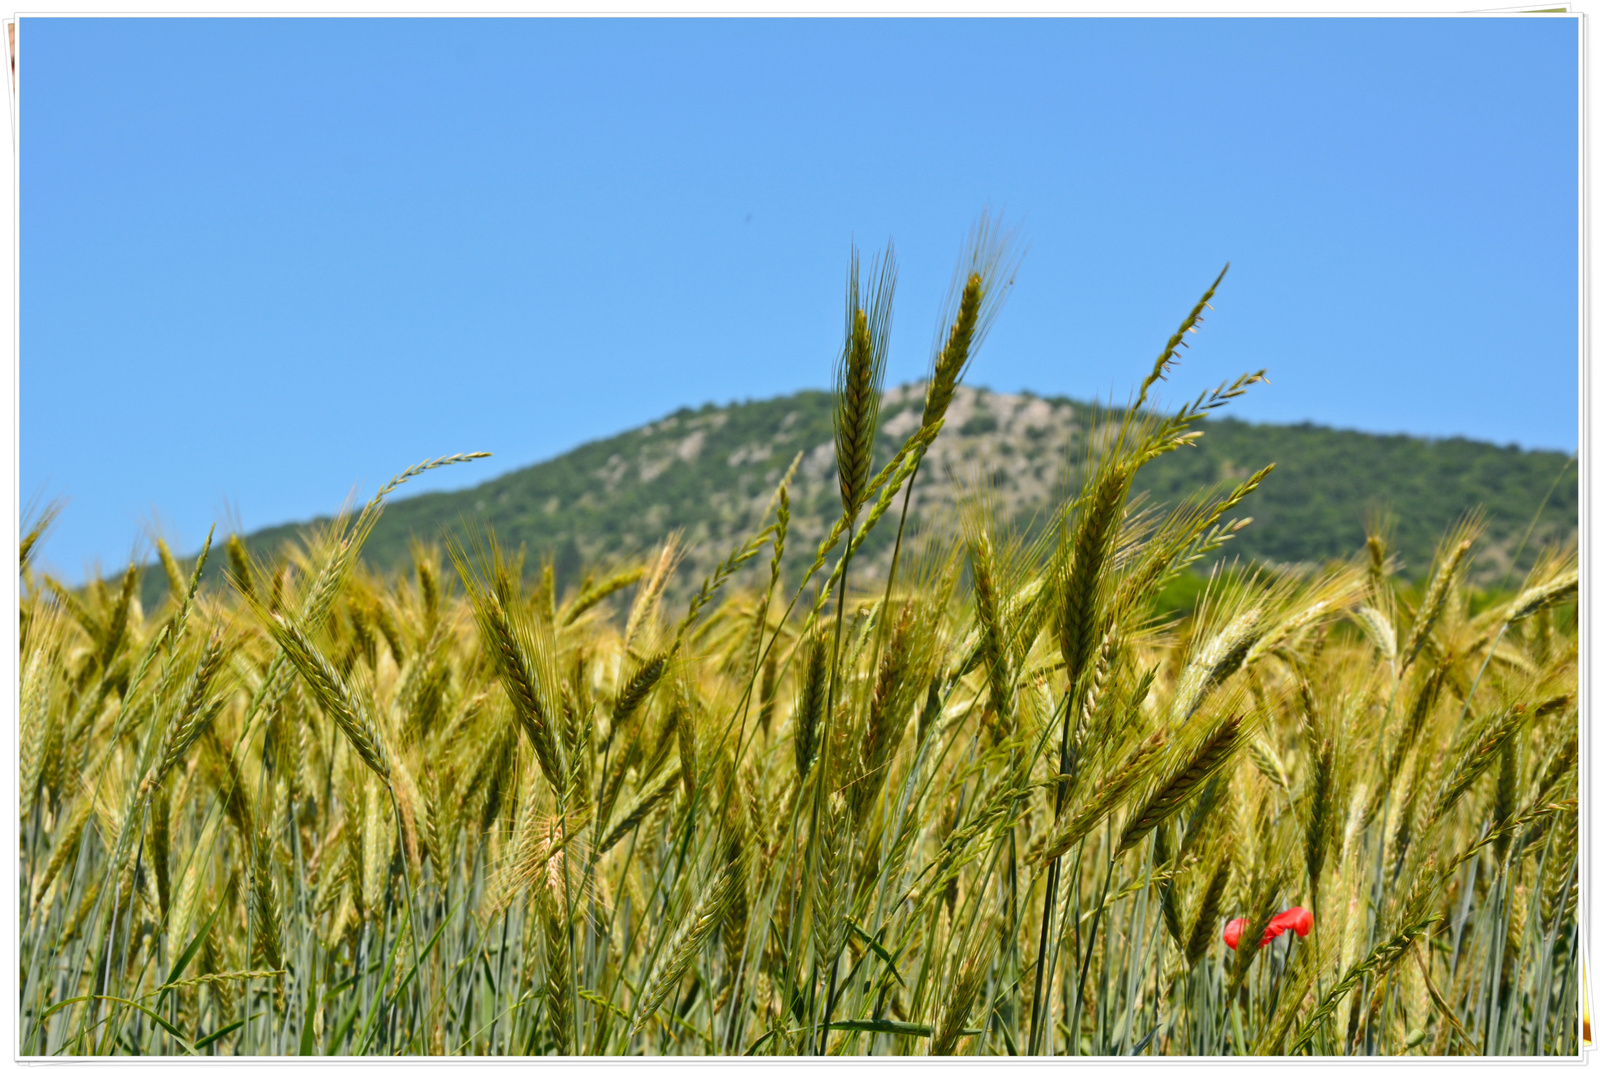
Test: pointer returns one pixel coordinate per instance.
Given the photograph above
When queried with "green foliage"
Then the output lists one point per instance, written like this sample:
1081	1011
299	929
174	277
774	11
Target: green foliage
709	473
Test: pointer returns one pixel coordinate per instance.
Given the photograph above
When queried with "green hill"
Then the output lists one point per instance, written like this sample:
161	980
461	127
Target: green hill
710	473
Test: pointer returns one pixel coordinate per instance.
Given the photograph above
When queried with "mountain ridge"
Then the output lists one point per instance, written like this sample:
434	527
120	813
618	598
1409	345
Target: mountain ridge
710	473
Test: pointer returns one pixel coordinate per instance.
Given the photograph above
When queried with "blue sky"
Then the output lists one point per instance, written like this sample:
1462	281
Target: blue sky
266	262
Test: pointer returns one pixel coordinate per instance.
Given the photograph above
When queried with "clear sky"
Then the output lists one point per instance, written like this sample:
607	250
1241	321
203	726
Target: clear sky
266	262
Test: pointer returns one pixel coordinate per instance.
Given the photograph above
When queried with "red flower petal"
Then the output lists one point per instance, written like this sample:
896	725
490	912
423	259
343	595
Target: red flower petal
1298	919
1233	931
1295	919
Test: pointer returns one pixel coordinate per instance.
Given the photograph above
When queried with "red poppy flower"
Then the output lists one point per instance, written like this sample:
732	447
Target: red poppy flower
1295	919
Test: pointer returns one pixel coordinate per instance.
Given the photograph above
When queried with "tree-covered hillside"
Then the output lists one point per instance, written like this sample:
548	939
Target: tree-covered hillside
710	474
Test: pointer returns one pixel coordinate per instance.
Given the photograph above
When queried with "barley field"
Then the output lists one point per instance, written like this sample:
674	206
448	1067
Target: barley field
995	805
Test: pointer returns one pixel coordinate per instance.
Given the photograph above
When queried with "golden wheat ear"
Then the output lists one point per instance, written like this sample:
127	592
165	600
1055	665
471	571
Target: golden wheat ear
331	691
858	376
1169	356
984	276
1205	756
1449	564
37	529
518	645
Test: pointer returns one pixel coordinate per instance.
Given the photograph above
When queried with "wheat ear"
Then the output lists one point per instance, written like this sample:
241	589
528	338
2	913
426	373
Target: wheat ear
1433	600
1169	355
1206	758
325	683
1205	923
858	378
194	715
679	953
956	1009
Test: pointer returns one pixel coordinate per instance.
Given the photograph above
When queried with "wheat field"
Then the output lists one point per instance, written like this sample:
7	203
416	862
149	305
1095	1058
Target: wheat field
997	805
